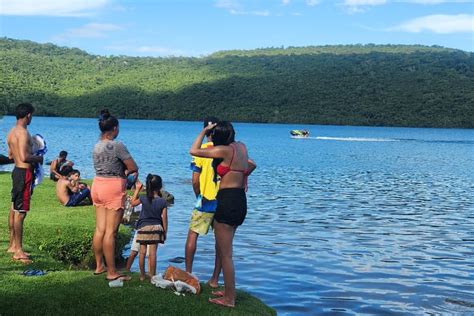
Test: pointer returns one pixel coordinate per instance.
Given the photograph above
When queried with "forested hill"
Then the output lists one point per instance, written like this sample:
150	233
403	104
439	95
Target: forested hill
389	85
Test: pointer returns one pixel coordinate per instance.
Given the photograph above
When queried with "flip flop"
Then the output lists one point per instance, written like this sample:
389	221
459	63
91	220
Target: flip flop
217	293
32	272
220	301
101	272
122	277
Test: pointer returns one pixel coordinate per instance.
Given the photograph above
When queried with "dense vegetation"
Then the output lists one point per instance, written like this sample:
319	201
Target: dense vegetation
394	85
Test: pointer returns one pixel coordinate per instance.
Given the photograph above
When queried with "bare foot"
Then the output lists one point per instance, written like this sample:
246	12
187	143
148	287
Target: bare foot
222	302
213	284
21	254
218	293
14	250
24	260
99	269
142	278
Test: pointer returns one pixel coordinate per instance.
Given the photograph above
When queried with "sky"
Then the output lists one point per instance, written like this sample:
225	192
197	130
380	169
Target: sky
201	27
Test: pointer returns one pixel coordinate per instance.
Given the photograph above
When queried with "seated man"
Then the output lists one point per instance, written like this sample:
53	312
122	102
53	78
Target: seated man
70	191
58	164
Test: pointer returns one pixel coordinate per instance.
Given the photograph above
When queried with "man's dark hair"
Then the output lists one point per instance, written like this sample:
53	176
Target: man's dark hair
66	171
210	120
74	171
23	109
63	154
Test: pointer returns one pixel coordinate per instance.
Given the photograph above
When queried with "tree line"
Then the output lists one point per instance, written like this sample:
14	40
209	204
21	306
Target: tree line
376	85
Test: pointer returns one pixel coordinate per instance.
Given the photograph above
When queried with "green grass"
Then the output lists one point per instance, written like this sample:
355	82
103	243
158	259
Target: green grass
73	289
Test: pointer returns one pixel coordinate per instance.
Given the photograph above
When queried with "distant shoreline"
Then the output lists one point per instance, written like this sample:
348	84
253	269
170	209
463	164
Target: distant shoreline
246	122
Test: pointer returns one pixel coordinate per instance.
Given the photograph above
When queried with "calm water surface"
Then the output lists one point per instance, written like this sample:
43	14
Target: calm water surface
354	220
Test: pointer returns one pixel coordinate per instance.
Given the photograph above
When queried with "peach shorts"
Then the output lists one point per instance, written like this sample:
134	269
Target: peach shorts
109	192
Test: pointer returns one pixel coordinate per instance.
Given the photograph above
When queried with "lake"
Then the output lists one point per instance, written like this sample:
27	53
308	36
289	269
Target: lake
353	220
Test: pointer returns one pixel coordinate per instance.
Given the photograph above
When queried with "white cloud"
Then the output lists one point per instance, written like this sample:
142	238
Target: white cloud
258	13
91	30
312	3
51	7
434	1
439	23
360	5
228	4
235	8
426	1
285	2
356	6
363	2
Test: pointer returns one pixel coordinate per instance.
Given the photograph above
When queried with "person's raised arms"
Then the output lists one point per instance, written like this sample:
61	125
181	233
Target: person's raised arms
210	152
135	199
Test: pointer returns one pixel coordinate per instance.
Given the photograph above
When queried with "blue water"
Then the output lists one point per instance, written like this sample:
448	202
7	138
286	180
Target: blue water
354	220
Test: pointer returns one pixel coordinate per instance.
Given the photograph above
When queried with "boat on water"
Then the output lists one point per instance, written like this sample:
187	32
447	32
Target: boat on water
299	133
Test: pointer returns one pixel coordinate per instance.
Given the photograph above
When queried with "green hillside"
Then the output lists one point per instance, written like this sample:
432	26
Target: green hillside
384	85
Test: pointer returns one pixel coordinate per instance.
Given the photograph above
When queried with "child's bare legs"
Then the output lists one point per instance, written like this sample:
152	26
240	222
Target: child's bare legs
141	261
130	260
152	259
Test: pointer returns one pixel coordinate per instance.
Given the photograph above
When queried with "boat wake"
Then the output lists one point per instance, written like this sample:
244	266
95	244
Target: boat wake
369	139
356	139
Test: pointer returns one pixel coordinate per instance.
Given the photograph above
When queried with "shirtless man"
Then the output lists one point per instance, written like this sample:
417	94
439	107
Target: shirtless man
19	149
58	164
69	190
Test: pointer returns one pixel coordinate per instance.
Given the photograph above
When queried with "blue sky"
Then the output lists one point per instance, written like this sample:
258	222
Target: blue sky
201	27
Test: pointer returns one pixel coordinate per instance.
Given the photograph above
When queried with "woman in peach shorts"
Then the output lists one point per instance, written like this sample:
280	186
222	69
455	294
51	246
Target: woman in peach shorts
111	159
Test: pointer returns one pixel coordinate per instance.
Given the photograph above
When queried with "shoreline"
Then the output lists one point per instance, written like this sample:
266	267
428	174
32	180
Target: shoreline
251	122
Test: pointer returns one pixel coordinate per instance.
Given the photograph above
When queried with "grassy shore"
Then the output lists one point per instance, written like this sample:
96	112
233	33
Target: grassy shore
58	239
